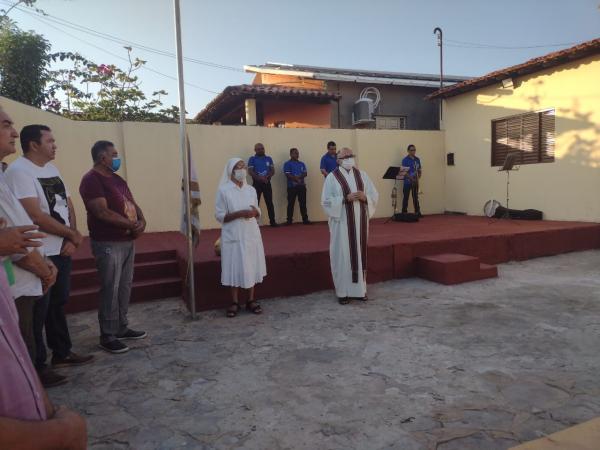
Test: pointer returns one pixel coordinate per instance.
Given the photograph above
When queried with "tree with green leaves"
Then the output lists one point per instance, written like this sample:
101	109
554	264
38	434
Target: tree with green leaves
105	92
30	3
24	61
84	91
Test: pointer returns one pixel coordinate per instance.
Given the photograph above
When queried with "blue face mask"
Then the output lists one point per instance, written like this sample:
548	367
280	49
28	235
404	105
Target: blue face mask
116	163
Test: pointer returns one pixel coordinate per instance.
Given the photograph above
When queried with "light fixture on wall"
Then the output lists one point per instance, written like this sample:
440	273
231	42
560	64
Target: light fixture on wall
507	83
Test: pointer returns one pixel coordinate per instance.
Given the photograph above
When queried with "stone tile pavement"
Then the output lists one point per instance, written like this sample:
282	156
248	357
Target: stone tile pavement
483	365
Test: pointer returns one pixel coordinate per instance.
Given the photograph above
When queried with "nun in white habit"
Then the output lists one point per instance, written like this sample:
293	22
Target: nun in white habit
242	254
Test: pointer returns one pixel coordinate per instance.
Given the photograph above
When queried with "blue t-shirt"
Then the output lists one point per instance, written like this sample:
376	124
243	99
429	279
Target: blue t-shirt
329	162
294	168
414	164
260	164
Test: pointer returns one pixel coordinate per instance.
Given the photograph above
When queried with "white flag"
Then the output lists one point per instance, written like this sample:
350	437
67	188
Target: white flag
194	200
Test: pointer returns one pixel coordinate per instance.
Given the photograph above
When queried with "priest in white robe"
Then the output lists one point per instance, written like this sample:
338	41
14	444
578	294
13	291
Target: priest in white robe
242	253
349	198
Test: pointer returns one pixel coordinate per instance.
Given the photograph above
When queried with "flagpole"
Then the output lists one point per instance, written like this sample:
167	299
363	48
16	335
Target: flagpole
185	162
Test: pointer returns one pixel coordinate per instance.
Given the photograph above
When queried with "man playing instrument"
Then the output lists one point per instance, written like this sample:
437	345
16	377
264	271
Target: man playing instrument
411	180
349	198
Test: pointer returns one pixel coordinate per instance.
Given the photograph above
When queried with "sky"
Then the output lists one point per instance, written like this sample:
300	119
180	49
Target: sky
390	35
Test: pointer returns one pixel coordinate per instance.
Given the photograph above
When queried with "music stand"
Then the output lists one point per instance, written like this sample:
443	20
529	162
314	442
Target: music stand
391	173
508	167
394	173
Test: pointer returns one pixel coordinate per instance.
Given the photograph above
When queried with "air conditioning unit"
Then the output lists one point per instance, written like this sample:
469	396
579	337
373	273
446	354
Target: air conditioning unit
362	112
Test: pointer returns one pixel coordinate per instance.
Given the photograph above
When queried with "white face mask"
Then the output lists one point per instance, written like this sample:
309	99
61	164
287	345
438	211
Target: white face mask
239	174
348	163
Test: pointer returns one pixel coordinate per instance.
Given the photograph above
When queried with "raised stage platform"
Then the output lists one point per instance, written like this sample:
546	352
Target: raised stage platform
298	255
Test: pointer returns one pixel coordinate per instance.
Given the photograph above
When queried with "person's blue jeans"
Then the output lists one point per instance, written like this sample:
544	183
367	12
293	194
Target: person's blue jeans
49	311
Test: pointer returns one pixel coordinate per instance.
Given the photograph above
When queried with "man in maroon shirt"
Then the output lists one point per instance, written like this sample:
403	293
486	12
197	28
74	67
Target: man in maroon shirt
114	222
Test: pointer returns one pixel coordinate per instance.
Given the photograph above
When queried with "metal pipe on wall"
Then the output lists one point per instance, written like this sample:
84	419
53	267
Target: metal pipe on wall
439	33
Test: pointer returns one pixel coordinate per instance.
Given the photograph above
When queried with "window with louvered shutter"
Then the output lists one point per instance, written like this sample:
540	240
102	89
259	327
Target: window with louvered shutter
531	135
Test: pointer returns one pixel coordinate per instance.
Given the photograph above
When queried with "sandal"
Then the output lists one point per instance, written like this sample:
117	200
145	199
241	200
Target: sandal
233	310
254	307
343	300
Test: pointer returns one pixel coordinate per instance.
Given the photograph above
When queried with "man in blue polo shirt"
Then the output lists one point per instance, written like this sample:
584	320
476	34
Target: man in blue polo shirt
329	159
261	169
295	172
411	180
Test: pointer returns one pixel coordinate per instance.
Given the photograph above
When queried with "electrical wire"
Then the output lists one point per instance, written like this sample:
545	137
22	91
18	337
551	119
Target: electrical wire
145	67
464	44
121	41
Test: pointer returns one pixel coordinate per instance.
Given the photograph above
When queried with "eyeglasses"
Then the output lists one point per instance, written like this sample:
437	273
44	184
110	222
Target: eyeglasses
346	157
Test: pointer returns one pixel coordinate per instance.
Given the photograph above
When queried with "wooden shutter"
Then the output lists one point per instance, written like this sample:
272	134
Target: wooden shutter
500	147
531	135
530	138
547	135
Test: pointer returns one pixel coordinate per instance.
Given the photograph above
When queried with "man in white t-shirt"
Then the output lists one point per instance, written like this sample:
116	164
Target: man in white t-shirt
32	274
37	183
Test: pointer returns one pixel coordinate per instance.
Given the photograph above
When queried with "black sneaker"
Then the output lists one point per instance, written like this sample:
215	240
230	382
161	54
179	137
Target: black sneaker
274	224
115	346
132	334
50	378
307	222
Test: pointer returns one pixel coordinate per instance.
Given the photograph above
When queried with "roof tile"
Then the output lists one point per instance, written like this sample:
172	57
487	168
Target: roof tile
533	65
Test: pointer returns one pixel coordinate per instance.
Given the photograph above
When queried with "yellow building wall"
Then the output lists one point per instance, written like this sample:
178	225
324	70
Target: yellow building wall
152	161
74	140
566	189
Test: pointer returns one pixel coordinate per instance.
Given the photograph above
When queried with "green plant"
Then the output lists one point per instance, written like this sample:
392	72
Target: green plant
104	92
24	60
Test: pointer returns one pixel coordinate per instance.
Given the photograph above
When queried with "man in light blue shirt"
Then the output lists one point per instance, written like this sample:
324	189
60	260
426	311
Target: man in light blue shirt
295	172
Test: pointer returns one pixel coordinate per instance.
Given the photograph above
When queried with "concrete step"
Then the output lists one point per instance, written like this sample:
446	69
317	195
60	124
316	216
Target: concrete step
86	298
453	268
88	262
87	278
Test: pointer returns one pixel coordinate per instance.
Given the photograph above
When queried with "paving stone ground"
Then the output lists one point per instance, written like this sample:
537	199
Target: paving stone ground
482	365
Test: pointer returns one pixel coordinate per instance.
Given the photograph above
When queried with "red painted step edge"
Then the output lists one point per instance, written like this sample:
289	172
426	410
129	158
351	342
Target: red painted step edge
453	268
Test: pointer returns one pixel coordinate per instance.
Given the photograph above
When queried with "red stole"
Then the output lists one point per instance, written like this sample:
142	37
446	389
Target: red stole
351	222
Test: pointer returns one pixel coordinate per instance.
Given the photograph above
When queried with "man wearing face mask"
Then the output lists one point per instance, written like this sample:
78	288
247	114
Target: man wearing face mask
114	222
349	198
38	184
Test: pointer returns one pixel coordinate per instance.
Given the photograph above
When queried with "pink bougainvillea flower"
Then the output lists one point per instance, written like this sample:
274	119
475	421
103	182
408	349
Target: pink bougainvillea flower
103	69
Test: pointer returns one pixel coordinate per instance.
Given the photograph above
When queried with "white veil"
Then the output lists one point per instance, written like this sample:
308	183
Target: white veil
226	177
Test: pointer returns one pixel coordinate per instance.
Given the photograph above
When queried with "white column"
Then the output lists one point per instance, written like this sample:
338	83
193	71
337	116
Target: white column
250	105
